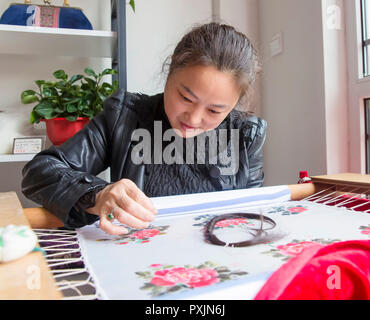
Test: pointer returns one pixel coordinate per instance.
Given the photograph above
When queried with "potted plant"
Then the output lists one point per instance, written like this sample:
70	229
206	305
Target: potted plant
68	104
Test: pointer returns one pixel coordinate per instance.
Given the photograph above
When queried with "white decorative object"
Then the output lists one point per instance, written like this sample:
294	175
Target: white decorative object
15	242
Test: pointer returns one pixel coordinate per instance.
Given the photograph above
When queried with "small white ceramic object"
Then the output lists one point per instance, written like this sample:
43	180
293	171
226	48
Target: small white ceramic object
15	242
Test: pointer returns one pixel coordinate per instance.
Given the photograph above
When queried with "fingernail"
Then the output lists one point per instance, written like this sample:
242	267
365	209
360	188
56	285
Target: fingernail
123	232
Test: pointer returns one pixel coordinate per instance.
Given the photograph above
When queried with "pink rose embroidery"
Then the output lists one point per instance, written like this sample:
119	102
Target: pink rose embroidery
366	232
166	279
294	249
190	277
230	222
296	209
146	233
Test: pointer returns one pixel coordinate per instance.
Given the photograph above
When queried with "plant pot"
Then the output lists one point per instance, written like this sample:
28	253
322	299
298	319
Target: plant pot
59	130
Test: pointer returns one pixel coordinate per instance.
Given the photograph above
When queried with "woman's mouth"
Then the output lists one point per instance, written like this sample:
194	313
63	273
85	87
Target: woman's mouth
186	127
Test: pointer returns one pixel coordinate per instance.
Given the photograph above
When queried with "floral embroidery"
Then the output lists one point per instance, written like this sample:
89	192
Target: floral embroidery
229	223
287	211
164	279
139	236
365	230
294	248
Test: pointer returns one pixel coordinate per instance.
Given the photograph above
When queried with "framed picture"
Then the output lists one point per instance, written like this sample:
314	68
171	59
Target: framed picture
28	145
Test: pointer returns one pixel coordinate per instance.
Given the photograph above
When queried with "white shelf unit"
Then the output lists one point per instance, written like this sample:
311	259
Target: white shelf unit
56	41
16	157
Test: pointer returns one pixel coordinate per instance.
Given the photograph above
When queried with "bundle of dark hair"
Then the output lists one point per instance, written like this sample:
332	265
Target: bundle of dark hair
259	234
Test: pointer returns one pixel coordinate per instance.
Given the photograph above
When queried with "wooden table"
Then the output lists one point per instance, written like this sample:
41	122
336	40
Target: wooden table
29	277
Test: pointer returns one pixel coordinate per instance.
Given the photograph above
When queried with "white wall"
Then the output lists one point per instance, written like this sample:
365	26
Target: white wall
336	86
152	34
243	15
358	89
293	92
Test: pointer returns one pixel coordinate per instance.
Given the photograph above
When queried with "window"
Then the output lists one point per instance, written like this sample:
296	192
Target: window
365	14
367	125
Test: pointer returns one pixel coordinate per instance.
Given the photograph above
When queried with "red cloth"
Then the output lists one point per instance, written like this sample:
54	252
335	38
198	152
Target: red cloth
339	271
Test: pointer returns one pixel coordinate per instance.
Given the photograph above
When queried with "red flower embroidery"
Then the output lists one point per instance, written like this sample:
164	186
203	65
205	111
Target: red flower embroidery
366	231
294	249
146	233
230	222
297	209
155	265
191	277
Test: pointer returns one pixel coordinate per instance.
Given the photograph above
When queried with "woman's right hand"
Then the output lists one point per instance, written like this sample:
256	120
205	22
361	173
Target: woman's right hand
127	203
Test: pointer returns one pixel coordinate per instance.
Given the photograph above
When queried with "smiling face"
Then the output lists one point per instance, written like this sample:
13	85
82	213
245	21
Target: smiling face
198	99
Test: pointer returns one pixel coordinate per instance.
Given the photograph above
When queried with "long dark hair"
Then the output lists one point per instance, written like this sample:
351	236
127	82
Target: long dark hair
223	47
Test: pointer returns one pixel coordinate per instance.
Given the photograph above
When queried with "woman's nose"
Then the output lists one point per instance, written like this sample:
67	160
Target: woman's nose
195	117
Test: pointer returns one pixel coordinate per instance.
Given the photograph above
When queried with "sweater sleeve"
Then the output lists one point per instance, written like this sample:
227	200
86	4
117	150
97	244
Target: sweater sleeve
57	178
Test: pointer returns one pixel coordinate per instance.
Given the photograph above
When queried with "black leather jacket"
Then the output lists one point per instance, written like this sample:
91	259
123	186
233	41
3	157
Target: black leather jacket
64	179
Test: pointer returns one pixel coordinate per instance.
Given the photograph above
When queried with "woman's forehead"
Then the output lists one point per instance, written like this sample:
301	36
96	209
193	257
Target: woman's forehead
204	82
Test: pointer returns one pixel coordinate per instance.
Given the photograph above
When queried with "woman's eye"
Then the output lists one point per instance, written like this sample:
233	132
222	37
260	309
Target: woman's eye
213	111
186	99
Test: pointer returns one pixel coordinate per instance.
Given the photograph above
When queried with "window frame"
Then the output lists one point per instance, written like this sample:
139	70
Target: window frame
365	41
367	134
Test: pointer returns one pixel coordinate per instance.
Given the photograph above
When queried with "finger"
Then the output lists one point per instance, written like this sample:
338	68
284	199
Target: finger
135	209
129	220
139	196
110	228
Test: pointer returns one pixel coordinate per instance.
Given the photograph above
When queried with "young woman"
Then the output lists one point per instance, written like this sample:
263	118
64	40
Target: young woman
212	71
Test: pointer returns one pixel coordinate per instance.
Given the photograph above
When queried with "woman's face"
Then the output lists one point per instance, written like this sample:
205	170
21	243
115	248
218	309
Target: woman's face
198	99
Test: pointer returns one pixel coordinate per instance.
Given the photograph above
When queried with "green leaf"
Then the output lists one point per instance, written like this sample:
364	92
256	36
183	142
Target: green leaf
222	269
70	100
34	117
132	4
60	110
140	274
60	74
29	96
174	289
91	83
239	273
49	92
71	108
80	106
91	73
101	96
39	83
72	118
85	86
109	71
45	109
75	78
88	113
115	86
61	84
147	286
